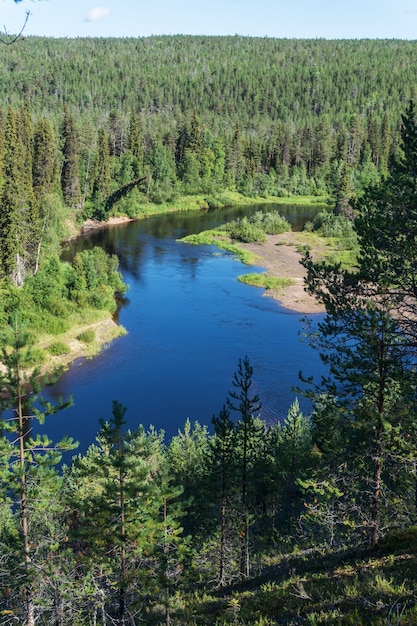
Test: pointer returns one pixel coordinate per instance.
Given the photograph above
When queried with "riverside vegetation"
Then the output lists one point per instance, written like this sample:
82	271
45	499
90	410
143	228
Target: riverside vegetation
311	521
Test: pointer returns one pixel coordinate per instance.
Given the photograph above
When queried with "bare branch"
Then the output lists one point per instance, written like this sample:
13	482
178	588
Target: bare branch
10	39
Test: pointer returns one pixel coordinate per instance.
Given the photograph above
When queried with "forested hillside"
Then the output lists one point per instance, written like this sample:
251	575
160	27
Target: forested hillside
311	521
200	113
111	124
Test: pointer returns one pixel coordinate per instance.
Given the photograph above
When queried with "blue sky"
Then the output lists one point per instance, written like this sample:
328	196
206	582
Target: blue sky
330	19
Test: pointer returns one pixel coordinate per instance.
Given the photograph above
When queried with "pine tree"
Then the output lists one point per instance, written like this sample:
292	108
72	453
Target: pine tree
222	473
188	456
370	373
118	497
27	457
248	431
387	228
295	453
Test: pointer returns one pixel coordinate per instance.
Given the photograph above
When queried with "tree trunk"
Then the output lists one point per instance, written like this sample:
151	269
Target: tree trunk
30	608
376	496
244	531
122	578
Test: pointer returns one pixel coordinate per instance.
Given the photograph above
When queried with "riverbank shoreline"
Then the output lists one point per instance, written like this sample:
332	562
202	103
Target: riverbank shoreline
91	225
104	332
280	255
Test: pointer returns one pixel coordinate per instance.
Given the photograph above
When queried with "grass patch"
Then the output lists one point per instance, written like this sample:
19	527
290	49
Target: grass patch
220	239
35	356
328	249
87	336
265	281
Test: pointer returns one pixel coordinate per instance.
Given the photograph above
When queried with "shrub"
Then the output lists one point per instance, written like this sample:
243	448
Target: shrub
400	540
254	229
87	336
272	222
216	201
243	230
328	224
57	348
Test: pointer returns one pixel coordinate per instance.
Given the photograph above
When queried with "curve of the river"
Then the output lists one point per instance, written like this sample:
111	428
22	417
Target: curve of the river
189	321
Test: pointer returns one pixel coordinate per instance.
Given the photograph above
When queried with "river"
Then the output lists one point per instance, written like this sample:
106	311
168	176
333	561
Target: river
189	321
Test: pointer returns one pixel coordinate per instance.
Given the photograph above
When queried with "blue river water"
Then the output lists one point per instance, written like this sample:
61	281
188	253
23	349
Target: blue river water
188	323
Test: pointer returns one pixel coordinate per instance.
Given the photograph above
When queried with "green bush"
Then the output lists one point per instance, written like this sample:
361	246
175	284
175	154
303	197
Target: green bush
243	230
216	201
272	223
87	336
57	348
400	540
328	224
254	229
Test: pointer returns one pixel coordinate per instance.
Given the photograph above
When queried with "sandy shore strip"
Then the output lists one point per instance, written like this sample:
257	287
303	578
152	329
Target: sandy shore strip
281	258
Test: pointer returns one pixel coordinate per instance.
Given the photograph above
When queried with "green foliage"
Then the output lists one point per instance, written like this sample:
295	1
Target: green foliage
36	356
48	289
365	340
27	474
49	298
327	224
216	201
244	230
271	222
255	228
129	529
87	336
96	279
57	348
113	531
400	540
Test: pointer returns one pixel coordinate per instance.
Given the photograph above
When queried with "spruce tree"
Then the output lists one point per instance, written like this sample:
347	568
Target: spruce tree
135	143
45	163
70	175
18	223
102	174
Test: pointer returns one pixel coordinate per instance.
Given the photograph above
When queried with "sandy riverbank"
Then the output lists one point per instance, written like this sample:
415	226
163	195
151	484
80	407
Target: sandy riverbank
280	258
90	225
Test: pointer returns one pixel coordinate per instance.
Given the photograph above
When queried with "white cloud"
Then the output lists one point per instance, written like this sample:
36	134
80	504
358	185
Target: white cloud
99	13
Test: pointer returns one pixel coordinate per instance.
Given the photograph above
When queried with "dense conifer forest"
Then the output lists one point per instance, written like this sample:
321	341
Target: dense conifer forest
311	521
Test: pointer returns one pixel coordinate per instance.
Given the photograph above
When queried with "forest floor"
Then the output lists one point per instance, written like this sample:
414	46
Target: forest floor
280	255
